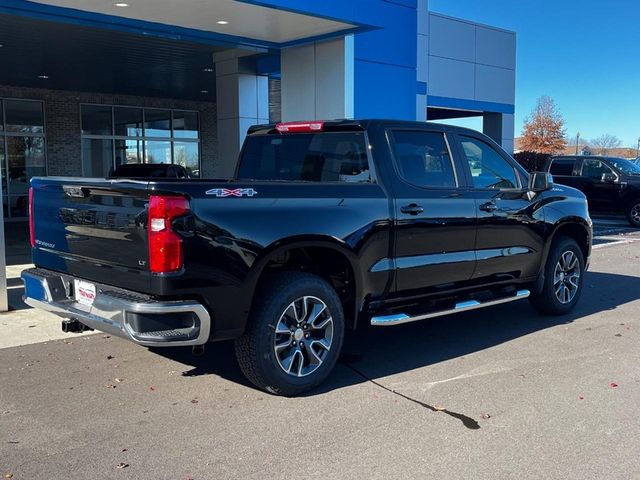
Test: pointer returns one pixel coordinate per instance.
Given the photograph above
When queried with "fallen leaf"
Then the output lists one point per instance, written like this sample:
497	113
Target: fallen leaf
613	384
580	397
194	401
8	475
152	389
110	357
119	380
110	386
485	416
618	335
122	465
106	336
439	408
124	449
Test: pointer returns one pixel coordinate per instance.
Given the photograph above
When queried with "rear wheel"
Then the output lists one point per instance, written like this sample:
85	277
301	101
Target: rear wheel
295	335
563	278
633	213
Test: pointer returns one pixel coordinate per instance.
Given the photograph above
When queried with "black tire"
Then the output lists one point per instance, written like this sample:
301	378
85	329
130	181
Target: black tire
255	349
547	300
633	212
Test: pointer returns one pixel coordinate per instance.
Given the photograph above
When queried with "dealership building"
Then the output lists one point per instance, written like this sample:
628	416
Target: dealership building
86	85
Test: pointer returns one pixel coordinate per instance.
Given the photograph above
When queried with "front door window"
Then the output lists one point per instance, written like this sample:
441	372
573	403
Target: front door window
488	168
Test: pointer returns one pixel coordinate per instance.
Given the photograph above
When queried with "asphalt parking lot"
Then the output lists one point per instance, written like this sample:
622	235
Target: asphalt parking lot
497	393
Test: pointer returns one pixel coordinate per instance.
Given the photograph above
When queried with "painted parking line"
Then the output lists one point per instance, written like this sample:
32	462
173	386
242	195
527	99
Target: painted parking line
608	241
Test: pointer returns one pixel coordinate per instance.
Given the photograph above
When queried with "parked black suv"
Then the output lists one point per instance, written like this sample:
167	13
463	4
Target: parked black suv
611	184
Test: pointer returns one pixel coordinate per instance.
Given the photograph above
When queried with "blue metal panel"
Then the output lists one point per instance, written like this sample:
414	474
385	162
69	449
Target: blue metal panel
464	104
396	43
384	91
268	65
356	12
421	88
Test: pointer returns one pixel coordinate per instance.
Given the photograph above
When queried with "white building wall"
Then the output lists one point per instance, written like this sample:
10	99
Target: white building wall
471	61
318	80
477	64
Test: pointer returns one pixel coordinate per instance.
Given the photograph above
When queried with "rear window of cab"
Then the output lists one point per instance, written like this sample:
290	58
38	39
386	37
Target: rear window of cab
306	157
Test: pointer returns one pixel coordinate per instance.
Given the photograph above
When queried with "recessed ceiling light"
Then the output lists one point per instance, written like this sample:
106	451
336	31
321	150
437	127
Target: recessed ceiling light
120	4
222	22
204	91
1	45
43	77
207	69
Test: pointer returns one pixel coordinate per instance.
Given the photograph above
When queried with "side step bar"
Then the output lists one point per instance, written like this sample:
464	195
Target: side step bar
399	318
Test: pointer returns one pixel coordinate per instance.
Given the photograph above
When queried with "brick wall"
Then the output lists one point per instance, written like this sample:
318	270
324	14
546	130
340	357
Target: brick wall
62	123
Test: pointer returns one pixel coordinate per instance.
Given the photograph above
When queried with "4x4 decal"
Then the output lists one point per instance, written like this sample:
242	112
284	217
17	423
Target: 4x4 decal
232	192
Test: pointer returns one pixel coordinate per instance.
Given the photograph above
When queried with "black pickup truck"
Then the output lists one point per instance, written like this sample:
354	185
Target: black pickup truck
326	225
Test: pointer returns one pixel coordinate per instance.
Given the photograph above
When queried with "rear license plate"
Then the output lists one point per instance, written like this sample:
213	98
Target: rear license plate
85	292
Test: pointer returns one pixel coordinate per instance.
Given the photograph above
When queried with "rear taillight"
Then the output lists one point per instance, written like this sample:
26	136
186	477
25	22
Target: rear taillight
32	232
165	245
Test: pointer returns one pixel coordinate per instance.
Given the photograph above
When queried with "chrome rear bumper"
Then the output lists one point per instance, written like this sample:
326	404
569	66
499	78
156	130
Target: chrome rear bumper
131	315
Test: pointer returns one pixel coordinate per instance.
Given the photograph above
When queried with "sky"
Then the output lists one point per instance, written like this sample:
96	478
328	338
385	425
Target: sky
583	54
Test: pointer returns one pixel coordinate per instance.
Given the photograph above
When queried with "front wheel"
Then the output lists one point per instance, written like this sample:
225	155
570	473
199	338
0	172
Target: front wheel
563	278
633	213
294	335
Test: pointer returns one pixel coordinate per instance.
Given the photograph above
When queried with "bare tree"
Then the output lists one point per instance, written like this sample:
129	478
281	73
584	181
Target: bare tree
543	130
604	143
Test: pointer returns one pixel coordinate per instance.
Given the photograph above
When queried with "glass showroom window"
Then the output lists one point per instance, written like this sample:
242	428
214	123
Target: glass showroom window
113	136
22	152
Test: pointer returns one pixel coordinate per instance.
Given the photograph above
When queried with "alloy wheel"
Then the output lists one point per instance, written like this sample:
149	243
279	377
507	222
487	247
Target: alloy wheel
303	336
566	277
635	214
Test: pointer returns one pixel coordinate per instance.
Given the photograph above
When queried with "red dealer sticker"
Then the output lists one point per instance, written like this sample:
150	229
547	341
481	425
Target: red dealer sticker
85	292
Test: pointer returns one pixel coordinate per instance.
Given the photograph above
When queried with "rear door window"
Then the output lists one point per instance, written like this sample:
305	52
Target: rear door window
562	167
306	157
423	158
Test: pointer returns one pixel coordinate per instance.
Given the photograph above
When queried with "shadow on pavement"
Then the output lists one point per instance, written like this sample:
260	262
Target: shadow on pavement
372	353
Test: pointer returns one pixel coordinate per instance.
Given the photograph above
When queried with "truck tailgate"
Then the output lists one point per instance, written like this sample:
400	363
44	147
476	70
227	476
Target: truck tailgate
92	228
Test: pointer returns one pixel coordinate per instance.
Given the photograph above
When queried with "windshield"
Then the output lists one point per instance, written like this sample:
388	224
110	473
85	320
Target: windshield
625	166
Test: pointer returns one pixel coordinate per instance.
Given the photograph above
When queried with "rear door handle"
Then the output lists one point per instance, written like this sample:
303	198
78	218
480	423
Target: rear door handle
412	209
488	207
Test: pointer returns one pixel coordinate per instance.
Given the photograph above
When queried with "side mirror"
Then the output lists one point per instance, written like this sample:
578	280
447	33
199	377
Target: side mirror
608	178
540	181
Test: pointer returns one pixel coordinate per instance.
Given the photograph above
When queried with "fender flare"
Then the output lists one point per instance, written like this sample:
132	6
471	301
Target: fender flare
280	246
577	221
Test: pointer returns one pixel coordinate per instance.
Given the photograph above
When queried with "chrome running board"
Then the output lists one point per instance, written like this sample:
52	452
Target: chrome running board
399	318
